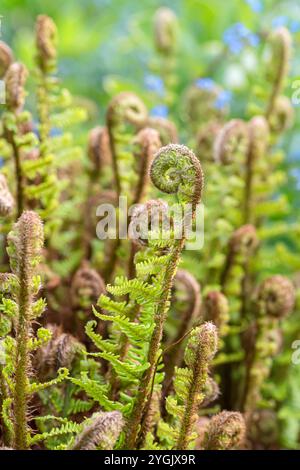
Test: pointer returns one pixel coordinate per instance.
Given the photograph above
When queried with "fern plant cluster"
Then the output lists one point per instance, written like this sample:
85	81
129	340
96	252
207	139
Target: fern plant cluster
137	342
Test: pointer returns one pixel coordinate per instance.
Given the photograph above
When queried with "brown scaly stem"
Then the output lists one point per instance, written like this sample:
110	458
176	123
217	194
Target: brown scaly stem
203	346
18	172
22	363
191	314
160	317
25	243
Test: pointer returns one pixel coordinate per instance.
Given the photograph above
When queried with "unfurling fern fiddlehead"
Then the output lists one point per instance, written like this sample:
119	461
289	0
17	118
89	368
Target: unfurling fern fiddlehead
200	351
278	67
226	431
175	169
275	301
99	432
25	245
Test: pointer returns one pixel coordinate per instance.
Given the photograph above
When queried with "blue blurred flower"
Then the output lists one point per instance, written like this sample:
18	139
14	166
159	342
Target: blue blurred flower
155	83
55	132
295	172
1	162
205	83
295	26
223	99
255	5
237	36
279	21
161	110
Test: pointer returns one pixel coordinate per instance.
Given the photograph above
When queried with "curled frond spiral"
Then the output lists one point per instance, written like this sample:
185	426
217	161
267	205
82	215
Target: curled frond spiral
165	30
59	352
276	297
231	142
176	169
126	107
283	114
100	432
87	286
244	240
46	37
226	431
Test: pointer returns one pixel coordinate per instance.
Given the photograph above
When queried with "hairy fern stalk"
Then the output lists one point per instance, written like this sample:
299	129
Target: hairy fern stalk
142	341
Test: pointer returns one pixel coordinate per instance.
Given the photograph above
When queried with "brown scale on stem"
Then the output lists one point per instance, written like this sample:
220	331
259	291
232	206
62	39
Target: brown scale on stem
199	353
191	314
25	245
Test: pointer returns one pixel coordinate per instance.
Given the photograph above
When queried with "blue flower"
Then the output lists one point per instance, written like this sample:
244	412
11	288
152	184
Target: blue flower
223	99
205	84
155	83
295	172
253	39
295	26
255	5
55	132
161	110
279	21
237	36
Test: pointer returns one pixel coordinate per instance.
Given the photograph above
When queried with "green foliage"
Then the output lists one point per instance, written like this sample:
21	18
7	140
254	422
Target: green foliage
98	332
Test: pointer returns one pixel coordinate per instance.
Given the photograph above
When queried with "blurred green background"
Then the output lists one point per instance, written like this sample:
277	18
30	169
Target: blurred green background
106	46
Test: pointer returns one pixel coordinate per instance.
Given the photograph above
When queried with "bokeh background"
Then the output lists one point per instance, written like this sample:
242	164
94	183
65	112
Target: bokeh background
106	46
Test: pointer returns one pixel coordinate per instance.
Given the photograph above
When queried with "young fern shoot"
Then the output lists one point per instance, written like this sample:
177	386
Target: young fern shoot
175	169
25	243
